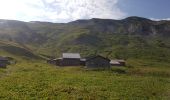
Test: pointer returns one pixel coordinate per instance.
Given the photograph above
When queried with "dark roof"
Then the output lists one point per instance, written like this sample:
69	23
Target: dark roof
71	55
3	58
95	56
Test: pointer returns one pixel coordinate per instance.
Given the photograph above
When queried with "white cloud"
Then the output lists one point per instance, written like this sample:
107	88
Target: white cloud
59	10
156	19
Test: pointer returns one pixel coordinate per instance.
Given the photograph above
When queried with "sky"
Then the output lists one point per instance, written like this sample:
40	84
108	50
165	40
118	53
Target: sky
69	10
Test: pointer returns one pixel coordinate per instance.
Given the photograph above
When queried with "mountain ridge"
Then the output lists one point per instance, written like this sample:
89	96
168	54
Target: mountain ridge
89	36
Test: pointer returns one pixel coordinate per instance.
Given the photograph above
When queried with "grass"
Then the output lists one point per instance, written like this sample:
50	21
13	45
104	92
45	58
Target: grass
40	81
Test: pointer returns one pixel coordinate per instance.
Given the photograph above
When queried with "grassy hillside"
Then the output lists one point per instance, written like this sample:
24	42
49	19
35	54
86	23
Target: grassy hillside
133	37
16	51
38	80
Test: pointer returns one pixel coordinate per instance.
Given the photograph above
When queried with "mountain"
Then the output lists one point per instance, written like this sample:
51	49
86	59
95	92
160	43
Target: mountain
133	37
16	51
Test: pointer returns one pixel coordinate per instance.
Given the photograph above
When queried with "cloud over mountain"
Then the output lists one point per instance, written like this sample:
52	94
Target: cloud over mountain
60	10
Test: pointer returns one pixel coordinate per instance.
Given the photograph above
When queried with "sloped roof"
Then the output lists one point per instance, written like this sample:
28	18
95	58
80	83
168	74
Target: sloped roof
83	59
71	55
95	56
117	61
114	62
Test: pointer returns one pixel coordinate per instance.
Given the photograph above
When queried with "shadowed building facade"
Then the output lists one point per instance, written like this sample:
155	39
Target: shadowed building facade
70	59
98	62
3	62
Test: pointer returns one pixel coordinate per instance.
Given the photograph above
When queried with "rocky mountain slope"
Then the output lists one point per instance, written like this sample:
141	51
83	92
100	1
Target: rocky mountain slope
134	37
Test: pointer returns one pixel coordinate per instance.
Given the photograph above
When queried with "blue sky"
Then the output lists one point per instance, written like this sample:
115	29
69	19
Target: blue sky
70	10
157	9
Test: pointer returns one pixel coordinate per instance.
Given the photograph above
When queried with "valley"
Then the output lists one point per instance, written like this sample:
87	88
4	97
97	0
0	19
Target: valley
143	43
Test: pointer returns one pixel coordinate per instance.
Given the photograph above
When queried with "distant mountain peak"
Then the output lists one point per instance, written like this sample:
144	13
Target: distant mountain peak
136	18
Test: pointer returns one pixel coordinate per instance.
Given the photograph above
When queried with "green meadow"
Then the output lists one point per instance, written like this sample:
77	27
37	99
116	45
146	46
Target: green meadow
31	78
36	80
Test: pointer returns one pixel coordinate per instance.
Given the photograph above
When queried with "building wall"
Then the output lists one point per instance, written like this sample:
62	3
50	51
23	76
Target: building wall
58	62
83	63
122	63
70	62
3	64
98	63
